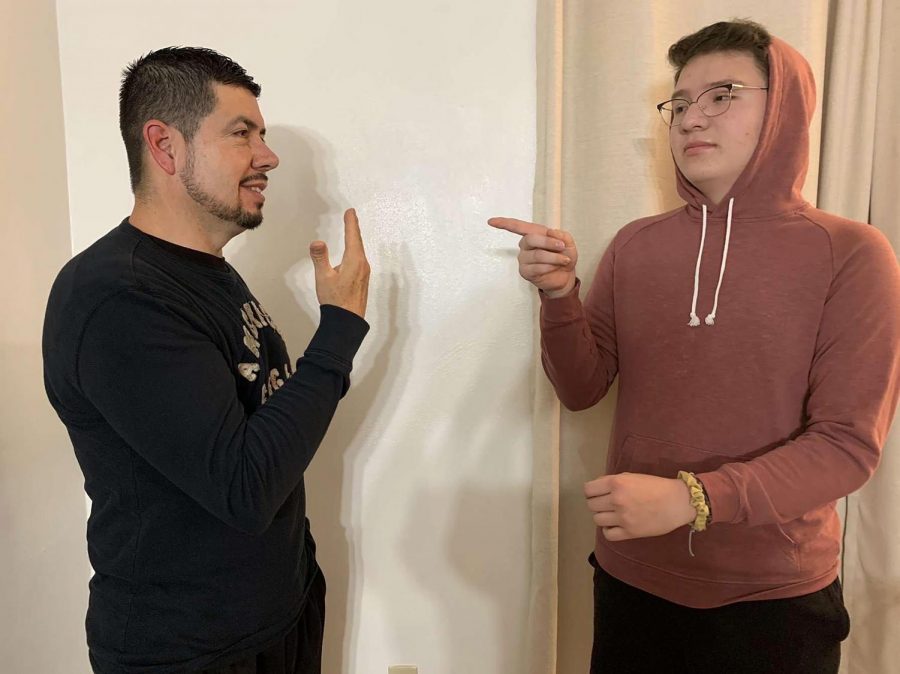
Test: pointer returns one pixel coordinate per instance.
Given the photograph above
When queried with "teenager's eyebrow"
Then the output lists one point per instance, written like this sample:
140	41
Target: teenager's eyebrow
683	93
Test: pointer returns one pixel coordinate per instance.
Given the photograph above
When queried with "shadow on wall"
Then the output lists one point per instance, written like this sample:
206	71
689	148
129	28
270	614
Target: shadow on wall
584	438
466	542
300	208
335	480
460	565
470	523
44	570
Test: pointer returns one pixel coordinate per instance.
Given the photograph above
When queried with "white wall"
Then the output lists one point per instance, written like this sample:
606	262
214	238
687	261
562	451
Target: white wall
43	564
420	113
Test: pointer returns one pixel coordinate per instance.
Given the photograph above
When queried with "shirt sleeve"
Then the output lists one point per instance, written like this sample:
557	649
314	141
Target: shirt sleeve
169	392
578	342
854	382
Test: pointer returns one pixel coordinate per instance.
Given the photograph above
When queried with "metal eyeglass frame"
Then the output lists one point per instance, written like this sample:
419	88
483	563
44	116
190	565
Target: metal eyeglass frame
731	87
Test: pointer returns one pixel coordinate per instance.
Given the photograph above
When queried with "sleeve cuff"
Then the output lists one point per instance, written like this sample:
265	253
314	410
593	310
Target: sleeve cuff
337	339
724	501
561	309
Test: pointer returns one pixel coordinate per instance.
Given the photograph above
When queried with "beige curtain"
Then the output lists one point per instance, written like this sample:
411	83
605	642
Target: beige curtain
859	178
603	160
543	613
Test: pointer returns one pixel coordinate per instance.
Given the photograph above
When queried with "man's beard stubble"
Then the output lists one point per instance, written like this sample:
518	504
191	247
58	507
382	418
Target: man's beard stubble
236	214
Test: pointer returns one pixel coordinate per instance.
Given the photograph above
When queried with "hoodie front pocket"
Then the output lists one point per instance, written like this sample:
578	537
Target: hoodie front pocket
734	553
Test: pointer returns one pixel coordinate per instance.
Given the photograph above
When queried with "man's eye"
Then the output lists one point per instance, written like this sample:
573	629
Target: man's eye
242	133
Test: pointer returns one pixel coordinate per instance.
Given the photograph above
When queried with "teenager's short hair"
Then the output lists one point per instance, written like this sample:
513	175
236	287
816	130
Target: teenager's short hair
741	35
175	86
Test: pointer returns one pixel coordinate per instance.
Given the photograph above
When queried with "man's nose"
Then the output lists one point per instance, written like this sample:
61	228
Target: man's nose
265	158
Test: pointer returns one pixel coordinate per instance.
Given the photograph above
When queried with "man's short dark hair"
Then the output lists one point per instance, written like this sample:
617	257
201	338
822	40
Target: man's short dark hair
175	86
741	35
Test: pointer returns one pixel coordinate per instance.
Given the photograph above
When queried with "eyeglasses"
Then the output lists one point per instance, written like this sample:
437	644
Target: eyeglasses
712	102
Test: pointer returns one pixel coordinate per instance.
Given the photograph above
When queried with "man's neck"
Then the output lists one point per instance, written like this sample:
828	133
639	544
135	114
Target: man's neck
183	229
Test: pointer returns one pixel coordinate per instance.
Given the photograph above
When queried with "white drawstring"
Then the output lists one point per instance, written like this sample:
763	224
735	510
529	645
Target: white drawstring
695	319
711	317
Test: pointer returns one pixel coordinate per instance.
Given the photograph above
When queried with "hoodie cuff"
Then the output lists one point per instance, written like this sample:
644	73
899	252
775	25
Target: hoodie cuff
722	493
337	339
561	309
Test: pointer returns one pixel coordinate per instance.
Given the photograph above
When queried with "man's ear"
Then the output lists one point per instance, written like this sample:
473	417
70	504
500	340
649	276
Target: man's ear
160	140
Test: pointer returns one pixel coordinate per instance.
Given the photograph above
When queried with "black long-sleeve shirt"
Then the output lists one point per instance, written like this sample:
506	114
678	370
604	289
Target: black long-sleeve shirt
193	431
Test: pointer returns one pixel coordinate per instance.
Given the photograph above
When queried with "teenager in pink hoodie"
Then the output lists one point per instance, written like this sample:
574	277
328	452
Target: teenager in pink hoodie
757	344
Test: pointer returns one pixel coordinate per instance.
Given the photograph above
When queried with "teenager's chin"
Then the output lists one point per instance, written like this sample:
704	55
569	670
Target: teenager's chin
700	178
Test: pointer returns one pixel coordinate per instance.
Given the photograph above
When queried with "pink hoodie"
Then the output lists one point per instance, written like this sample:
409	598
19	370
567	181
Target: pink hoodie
781	406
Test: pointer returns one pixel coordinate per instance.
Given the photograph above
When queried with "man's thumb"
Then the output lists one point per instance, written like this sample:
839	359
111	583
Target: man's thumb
318	251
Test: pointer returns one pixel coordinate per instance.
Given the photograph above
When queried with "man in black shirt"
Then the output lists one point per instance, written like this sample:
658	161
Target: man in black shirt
190	424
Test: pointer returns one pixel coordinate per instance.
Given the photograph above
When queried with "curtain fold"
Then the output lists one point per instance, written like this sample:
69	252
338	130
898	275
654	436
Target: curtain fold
544	599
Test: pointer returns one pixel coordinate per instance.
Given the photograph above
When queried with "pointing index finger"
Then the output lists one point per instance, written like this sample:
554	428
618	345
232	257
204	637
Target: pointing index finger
352	235
521	227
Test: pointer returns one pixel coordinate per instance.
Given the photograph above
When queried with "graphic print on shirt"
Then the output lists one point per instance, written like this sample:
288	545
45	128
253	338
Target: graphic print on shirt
254	319
248	370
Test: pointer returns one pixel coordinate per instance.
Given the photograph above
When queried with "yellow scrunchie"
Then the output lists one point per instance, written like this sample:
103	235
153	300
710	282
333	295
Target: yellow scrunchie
698	500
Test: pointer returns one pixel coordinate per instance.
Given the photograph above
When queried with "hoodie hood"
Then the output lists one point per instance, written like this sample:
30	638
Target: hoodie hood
772	181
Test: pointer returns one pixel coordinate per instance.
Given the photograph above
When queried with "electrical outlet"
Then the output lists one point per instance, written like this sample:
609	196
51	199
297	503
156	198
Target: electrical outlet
403	669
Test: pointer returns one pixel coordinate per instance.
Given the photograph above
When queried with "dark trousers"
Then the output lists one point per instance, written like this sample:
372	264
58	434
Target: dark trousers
639	633
298	652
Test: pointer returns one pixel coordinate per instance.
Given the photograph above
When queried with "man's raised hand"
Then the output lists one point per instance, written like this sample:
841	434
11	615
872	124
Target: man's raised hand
347	284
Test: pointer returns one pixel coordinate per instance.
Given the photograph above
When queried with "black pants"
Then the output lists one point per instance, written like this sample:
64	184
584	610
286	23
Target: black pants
299	652
639	633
